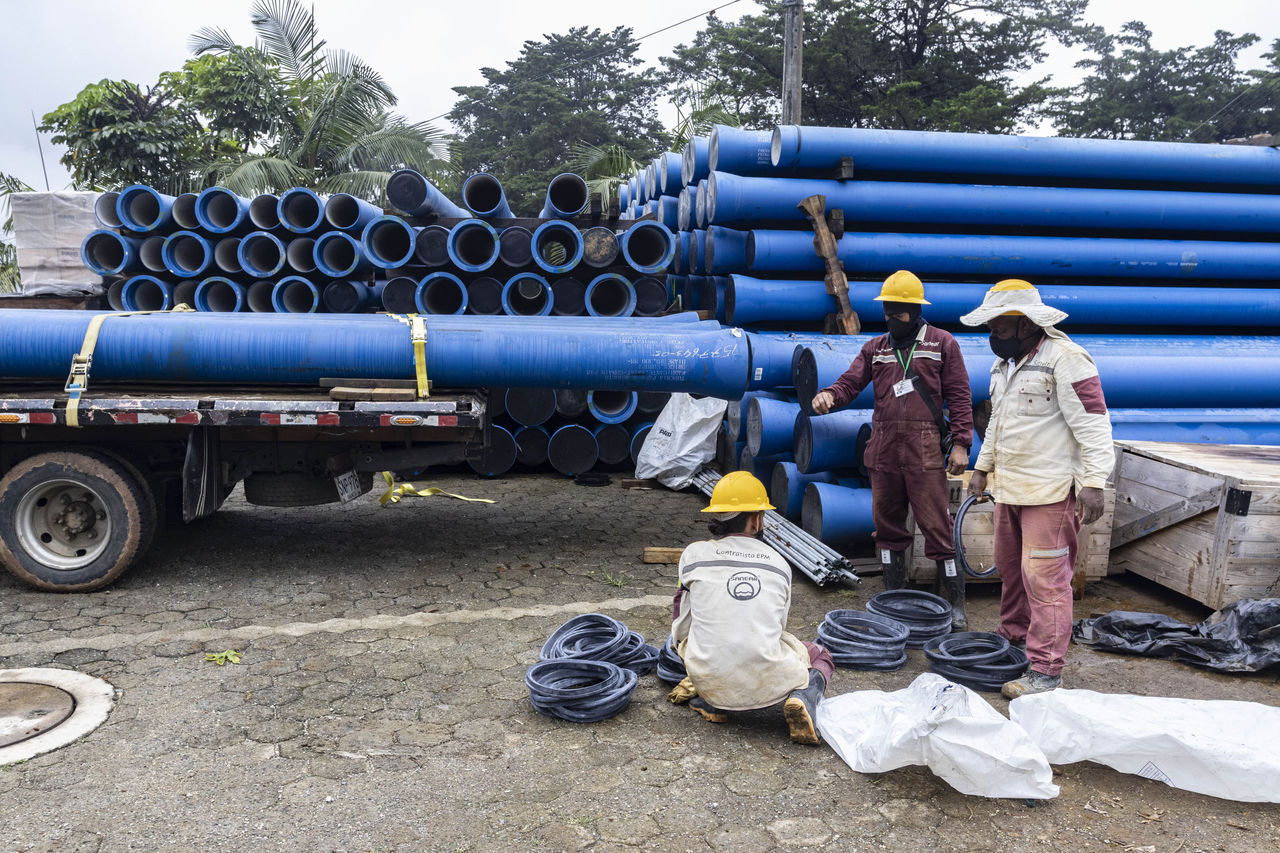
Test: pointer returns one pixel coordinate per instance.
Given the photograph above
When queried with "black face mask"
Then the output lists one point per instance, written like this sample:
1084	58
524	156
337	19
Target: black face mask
1006	348
902	333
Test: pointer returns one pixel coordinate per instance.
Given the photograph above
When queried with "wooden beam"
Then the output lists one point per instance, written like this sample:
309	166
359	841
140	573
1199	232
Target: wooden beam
824	243
662	555
1170	515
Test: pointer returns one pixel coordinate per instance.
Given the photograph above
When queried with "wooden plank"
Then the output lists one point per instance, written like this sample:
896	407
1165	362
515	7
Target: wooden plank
1245	461
330	382
1170	515
656	554
375	395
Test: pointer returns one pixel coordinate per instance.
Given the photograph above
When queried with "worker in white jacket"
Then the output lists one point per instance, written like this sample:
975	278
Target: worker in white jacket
1048	450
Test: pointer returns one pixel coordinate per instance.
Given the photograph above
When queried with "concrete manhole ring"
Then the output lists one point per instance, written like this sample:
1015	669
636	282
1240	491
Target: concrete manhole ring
42	709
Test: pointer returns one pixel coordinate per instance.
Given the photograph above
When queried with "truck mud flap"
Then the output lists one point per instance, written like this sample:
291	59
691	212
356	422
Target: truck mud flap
202	488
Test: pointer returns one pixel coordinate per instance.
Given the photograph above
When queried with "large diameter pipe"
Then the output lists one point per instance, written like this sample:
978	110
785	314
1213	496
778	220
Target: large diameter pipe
220	295
184	212
761	467
786	487
1103	161
639	434
571	402
624	195
339	255
352	297
226	255
567	196
348	213
651	402
411	193
441	293
388	241
146	293
258	297
771	425
568	297
499	454
572	450
527	294
300	255
697	245
151	253
734	199
143	210
735	416
186	254
724	251
684	211
834	513
698	204
836	441
301	211
611	406
264	212
728	452
666	209
473	245
599	246
751	300
680	260
610	295
184	293
104	210
648	247
461	352
1201	426
105	252
222	212
399	295
670	166
294	294
262	254
651	297
743	152
613	444
484	296
983	256
530	406
515	246
558	247
431	246
482	194
115	293
531	446
695	160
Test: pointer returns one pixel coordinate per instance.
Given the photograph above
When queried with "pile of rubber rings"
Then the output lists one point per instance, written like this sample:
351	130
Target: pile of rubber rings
977	659
588	669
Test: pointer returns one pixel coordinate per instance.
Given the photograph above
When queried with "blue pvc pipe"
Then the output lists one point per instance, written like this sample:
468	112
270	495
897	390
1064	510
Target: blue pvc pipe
743	152
572	450
104	210
146	293
695	160
301	211
222	212
836	513
352	297
264	212
684	210
294	294
670	166
258	297
527	294
462	352
736	413
482	194
226	255
388	242
105	252
143	210
680	259
441	293
638	436
1024	257
186	254
786	487
300	254
697	251
761	467
771	425
410	192
1104	161
431	246
151	253
613	443
499	453
648	247
734	199
530	406
624	195
348	213
567	196
339	255
531	445
557	246
651	297
473	245
262	255
699	205
568	297
610	295
752	300
725	251
611	407
515	246
668	211
220	295
1197	432
184	212
836	441
399	295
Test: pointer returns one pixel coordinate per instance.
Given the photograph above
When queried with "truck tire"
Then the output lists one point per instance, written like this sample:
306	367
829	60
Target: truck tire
72	520
152	505
289	488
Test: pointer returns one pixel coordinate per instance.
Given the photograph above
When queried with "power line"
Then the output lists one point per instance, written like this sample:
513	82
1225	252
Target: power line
607	51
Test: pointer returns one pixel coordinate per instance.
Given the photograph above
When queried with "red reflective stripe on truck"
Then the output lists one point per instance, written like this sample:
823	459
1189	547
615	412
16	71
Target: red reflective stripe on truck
331	419
43	418
188	418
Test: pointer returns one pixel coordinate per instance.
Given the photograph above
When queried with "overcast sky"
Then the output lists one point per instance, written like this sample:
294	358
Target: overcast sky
50	49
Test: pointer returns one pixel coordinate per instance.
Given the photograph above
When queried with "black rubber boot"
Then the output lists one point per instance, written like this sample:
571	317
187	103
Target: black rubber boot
709	712
951	587
895	570
801	708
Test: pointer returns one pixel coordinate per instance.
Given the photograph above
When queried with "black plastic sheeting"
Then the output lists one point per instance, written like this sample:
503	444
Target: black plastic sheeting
1241	637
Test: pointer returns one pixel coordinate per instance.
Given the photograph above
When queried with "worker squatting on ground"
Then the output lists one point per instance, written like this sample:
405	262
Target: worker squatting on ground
730	619
1048	447
913	370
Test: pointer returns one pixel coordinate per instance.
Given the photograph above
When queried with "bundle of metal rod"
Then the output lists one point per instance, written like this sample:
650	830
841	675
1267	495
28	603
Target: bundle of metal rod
818	562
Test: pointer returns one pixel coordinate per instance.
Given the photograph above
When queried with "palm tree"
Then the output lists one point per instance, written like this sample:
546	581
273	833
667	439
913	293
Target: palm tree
339	134
10	279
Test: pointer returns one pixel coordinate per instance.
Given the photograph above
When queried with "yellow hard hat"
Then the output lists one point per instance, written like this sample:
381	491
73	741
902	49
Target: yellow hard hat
903	286
739	491
1011	284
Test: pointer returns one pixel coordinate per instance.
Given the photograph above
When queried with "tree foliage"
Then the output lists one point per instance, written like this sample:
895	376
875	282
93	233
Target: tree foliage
10	278
581	87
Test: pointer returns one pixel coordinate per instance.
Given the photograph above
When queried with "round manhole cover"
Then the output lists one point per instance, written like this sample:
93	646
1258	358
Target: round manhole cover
28	709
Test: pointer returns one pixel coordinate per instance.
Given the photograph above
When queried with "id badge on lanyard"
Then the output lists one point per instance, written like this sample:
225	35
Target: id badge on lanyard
903	388
906	386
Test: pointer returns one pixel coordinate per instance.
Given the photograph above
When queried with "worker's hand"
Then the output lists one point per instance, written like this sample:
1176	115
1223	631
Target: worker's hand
958	460
822	402
978	485
1089	505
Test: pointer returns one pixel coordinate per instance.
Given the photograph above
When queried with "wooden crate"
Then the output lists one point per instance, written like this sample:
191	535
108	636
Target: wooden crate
1201	519
1093	548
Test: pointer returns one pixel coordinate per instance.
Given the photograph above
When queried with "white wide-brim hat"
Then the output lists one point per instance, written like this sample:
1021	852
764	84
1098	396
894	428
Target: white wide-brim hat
1025	301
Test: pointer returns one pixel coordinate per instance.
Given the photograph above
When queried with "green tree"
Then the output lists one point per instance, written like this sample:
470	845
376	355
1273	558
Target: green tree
913	64
582	87
10	278
1187	94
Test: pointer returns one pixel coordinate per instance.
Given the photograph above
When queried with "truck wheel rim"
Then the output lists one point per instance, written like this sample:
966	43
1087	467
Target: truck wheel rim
63	524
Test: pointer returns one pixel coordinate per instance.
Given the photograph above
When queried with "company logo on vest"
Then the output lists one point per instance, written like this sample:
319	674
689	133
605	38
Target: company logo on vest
743	586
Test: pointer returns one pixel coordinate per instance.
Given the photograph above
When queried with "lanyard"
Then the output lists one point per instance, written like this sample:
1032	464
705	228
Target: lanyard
906	364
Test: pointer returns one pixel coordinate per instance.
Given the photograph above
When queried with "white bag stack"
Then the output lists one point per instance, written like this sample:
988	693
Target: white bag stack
682	440
946	727
1217	747
48	229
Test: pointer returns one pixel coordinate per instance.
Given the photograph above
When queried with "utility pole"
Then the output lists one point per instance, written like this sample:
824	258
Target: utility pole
792	59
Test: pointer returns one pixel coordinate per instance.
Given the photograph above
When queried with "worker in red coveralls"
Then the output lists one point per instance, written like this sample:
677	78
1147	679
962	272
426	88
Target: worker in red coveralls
914	370
1048	448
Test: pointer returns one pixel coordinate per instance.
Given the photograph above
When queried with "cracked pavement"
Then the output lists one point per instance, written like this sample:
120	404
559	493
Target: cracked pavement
380	705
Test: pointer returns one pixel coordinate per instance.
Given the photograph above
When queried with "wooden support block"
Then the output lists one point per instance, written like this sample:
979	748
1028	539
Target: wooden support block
662	555
330	382
835	221
375	395
633	483
844	171
824	244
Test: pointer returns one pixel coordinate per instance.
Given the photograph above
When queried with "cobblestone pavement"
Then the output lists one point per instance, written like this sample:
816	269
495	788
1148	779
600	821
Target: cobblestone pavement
379	703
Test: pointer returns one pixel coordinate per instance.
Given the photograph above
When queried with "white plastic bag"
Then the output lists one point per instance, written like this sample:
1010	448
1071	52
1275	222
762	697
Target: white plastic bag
944	726
682	440
1217	747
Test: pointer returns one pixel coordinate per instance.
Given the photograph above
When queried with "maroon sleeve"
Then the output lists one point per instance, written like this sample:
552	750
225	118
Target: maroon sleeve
853	380
1089	390
956	391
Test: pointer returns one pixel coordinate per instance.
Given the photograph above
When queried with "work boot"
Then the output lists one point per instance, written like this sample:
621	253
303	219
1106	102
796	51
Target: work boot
802	706
951	587
894	568
1032	682
709	712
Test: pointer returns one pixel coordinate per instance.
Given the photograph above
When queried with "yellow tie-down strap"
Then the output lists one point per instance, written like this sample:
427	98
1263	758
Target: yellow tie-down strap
78	378
394	493
418	331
